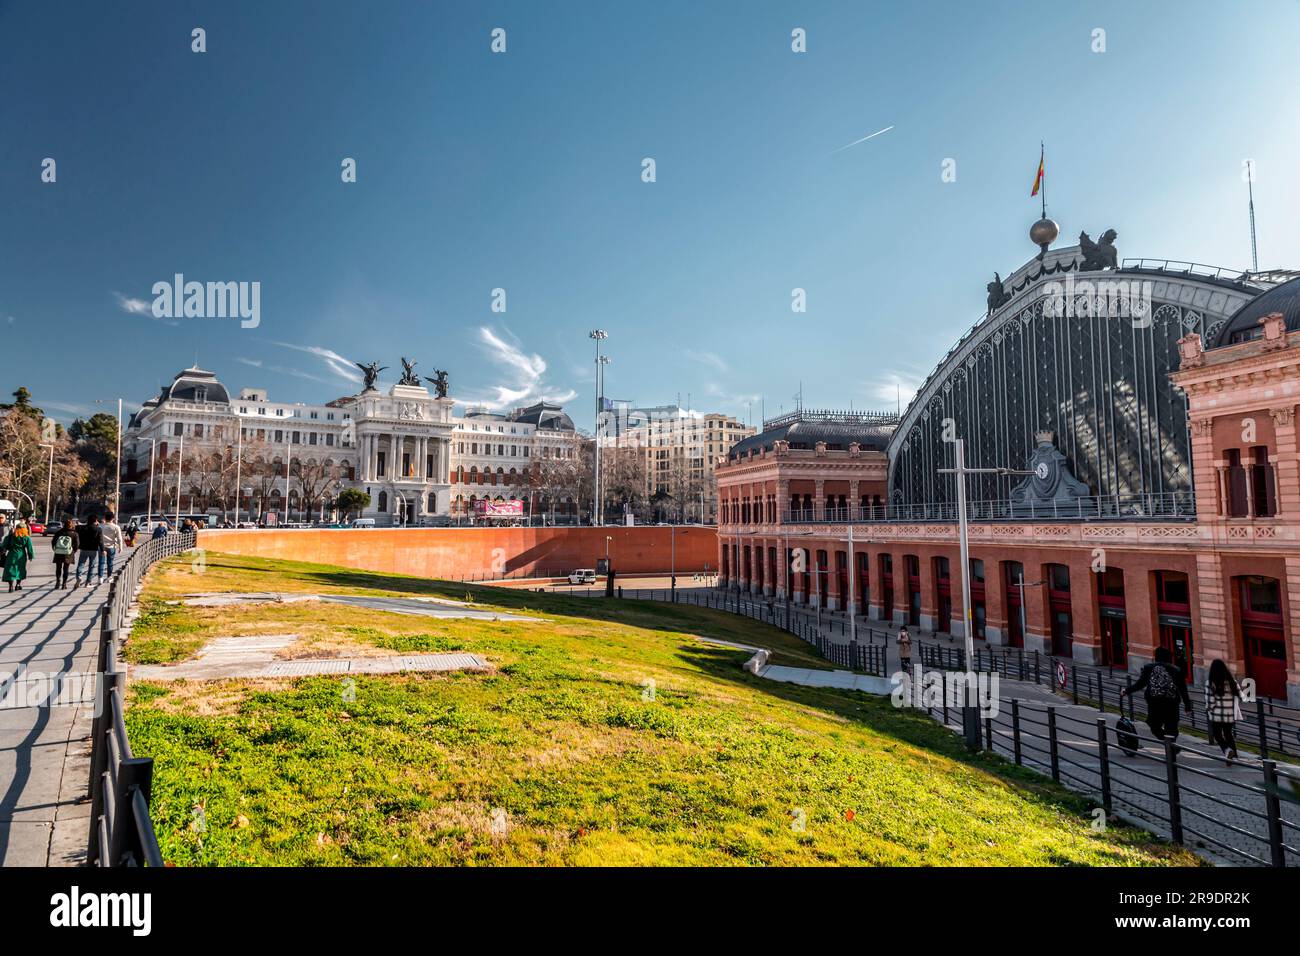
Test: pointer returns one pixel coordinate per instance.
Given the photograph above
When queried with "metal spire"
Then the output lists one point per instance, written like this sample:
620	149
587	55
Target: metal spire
1250	191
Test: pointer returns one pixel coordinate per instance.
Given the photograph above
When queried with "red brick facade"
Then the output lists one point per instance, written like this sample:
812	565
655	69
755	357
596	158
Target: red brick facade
1101	591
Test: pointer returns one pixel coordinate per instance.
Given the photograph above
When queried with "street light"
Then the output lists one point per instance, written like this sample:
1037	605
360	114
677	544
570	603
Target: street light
49	480
180	474
239	461
599	335
970	717
153	448
117	461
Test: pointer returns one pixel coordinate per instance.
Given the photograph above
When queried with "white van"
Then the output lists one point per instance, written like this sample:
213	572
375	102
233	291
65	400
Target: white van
582	576
362	523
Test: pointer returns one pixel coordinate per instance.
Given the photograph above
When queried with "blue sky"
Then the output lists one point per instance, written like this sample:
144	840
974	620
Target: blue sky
522	171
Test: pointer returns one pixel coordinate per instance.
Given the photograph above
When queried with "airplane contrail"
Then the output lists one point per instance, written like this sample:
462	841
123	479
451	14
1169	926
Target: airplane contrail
863	140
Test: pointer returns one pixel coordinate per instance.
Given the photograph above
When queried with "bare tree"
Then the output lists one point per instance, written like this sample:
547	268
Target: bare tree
25	465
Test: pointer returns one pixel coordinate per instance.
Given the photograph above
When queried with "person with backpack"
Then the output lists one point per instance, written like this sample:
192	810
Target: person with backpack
904	649
89	541
17	552
1163	684
1223	708
65	547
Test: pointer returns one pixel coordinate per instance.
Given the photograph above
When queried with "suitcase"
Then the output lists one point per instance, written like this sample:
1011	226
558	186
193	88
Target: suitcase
1126	736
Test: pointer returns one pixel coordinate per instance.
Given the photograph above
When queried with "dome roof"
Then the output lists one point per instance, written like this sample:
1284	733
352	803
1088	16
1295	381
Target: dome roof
803	430
1244	325
196	385
543	415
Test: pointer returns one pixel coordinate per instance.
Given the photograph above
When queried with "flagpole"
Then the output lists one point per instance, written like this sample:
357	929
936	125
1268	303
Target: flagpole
1042	165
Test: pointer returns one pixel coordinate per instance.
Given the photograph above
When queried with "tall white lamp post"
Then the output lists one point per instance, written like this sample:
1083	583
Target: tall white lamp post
49	481
599	335
970	714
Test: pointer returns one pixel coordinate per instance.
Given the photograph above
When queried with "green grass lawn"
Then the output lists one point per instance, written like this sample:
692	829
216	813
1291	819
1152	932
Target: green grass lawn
605	734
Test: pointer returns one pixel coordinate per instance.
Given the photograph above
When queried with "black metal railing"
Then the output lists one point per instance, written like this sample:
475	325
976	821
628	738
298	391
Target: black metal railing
121	832
865	649
1164	785
1268	726
1172	505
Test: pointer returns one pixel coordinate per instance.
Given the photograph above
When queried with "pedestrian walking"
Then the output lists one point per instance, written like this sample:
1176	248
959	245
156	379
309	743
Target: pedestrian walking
17	552
1163	685
89	540
904	648
160	529
64	543
1223	708
113	543
130	531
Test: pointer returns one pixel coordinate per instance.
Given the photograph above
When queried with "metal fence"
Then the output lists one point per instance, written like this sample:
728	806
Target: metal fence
864	651
1175	505
1269	726
1168	788
121	832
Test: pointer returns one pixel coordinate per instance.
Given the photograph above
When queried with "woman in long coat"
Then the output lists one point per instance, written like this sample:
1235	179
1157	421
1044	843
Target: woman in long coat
17	552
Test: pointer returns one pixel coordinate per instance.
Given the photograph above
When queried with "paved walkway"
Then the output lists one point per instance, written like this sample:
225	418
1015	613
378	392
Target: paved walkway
1223	807
45	751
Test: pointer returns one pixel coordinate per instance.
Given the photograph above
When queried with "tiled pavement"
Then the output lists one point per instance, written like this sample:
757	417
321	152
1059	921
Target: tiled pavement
45	751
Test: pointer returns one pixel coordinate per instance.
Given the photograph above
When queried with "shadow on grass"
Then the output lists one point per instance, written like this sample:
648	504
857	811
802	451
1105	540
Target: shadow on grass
904	726
913	728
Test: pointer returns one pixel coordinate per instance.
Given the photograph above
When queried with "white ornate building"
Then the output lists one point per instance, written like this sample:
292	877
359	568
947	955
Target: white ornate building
403	446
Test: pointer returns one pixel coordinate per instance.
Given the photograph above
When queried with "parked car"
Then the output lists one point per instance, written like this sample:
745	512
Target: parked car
583	576
363	523
36	527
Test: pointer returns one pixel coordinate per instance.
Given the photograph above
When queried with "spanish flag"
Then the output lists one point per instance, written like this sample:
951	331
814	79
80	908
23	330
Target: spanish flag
1038	180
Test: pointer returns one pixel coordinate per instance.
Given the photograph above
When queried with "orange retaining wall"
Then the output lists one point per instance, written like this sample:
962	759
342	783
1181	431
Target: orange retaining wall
478	552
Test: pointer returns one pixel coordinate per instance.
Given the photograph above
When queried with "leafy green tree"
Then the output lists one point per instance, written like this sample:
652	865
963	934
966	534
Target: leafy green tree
351	500
23	402
96	442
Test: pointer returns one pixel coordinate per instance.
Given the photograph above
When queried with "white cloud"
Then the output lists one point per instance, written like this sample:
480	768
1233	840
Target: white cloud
707	358
897	385
133	306
284	370
341	367
71	408
525	374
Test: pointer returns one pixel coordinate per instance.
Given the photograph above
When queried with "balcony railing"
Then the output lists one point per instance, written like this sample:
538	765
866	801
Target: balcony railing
1166	506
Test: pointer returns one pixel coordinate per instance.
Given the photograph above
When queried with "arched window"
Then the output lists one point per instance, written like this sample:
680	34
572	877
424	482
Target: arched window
433	502
383	501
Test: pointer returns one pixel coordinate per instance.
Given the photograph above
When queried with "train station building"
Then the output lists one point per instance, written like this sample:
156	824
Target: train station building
1137	423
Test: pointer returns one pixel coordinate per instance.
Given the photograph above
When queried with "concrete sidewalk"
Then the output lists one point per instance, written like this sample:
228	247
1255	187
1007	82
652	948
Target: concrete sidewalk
45	751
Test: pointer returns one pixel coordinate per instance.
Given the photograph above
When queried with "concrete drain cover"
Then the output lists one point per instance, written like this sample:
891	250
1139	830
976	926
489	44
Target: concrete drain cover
244	657
307	668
